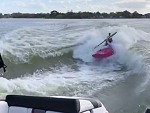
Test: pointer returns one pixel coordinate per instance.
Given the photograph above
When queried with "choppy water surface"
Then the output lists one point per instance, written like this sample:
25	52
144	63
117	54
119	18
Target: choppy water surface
53	57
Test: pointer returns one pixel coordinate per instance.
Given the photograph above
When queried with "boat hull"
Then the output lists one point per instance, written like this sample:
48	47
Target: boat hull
104	53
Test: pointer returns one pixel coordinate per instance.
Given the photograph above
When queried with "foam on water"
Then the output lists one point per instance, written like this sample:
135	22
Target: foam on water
43	82
26	42
22	45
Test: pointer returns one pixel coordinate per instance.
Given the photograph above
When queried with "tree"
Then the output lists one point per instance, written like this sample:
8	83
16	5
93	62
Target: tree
135	14
54	13
112	15
1	15
105	15
126	14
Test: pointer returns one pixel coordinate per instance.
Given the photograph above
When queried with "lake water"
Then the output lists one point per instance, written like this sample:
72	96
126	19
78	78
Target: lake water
53	57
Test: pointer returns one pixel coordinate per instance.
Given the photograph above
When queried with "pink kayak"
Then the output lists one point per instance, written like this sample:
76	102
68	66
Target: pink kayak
104	53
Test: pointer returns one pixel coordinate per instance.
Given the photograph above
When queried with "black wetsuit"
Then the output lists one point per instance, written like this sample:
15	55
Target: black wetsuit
2	65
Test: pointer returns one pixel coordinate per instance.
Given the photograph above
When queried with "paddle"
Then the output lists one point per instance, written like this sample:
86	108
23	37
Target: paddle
105	39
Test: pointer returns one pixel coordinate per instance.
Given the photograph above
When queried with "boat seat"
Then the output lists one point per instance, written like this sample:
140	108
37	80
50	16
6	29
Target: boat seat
36	104
147	110
3	107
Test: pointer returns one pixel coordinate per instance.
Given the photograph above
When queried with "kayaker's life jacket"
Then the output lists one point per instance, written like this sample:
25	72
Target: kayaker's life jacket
108	41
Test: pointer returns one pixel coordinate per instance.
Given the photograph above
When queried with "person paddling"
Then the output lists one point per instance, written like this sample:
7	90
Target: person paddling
107	41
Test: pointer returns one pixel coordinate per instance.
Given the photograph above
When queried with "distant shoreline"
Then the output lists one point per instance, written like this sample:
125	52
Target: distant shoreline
78	18
78	15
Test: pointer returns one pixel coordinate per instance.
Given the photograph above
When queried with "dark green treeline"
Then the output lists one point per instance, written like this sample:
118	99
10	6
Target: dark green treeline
76	15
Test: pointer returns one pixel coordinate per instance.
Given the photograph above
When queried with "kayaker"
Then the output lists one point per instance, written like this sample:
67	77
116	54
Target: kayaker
107	41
